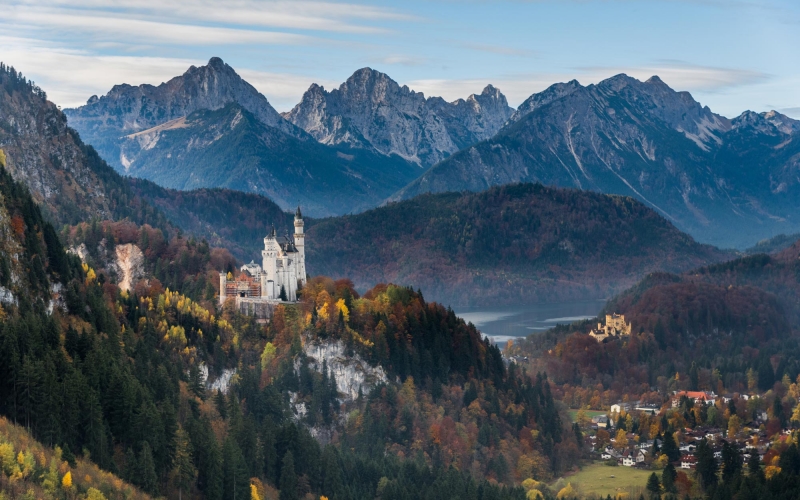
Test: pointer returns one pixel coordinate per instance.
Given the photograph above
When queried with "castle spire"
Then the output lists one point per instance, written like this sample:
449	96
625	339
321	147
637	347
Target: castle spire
297	214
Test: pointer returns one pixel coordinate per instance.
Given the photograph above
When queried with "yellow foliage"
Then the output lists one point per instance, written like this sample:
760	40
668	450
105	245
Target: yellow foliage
254	493
531	484
534	495
94	494
2	158
66	481
267	355
342	308
566	492
771	471
7	460
90	276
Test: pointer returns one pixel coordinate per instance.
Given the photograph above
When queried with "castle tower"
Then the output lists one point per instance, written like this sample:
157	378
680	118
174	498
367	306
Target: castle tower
269	256
299	243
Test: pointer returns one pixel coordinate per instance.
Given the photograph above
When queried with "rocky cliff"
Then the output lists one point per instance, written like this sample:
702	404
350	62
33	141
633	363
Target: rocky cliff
726	182
370	110
65	177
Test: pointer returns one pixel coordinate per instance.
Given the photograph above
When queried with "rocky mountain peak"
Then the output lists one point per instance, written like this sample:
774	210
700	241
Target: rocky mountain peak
550	94
371	110
128	109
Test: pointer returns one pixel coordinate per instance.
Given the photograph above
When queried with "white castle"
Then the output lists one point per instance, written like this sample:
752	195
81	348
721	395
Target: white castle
277	279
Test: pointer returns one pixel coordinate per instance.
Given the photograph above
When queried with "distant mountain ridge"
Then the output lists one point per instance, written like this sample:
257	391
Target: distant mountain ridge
727	182
128	109
370	110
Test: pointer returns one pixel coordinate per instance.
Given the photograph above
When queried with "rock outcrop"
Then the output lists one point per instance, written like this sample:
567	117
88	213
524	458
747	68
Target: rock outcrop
129	265
370	110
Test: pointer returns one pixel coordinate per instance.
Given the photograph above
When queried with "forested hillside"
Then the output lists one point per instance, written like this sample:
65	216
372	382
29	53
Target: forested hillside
119	378
508	245
727	327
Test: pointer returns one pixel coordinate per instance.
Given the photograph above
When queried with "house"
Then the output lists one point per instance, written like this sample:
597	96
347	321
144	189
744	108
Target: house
628	458
707	398
640	456
601	421
620	407
688	462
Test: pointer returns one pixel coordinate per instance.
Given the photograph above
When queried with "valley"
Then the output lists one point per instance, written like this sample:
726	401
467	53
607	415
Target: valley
385	294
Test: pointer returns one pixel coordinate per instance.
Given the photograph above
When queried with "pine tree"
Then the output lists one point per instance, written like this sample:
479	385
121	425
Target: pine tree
670	447
148	480
283	295
654	486
184	471
754	467
731	461
288	483
222	404
235	474
706	465
668	478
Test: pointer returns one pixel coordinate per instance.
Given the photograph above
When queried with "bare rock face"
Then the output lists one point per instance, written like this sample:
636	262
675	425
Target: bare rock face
128	109
726	182
130	265
370	110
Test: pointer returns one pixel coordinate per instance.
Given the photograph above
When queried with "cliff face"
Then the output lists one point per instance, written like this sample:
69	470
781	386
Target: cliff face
127	109
370	110
41	151
726	182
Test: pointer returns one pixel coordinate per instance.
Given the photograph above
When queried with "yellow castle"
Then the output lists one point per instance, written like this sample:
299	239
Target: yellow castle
615	327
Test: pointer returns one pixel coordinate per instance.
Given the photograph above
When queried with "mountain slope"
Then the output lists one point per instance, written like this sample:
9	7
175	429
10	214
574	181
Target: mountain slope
128	109
507	245
65	177
727	182
210	128
230	148
370	110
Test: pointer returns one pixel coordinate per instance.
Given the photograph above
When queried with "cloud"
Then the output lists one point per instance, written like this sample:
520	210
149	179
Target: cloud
297	15
402	60
683	76
500	50
138	30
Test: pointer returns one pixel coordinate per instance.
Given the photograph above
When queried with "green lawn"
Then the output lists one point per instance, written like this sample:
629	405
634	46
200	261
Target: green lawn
602	480
573	414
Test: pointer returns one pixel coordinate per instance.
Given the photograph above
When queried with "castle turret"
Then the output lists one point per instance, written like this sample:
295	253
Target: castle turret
269	254
223	281
299	242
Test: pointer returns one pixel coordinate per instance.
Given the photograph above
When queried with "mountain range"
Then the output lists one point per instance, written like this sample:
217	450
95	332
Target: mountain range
728	182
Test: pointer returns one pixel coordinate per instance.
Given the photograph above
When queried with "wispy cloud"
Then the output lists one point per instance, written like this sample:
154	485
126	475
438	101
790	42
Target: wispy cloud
793	112
499	49
518	87
115	28
402	60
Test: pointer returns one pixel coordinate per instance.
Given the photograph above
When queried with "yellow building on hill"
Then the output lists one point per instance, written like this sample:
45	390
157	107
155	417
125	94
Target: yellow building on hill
615	327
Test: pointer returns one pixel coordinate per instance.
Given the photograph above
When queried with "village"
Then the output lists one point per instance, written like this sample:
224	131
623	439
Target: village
614	439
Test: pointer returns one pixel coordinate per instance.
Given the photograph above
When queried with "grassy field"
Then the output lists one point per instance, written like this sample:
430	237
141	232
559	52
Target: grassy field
601	480
573	414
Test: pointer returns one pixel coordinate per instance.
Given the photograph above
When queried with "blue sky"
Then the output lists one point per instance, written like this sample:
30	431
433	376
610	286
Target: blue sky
732	55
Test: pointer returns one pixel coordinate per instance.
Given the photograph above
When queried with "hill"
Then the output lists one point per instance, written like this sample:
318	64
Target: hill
209	128
66	177
125	376
28	468
731	325
507	245
725	182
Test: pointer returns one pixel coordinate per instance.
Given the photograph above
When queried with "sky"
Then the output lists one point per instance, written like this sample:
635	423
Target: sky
732	55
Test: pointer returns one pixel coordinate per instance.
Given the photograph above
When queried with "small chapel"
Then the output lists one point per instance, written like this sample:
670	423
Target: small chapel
281	274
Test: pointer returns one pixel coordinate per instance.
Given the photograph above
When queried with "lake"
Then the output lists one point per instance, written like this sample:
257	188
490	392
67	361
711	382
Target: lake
503	324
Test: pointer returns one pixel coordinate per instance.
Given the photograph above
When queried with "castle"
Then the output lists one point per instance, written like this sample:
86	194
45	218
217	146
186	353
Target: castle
615	327
281	273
